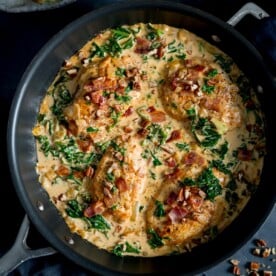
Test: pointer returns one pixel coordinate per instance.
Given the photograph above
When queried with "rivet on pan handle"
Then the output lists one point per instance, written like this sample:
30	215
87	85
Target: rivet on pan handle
20	252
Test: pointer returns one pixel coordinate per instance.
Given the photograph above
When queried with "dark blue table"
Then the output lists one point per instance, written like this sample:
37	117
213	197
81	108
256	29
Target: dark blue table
21	37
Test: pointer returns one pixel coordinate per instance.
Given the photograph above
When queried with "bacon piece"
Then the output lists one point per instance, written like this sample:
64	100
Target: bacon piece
170	162
89	172
72	127
142	132
136	86
78	174
192	158
84	144
121	184
142	46
171	198
160	51
245	154
62	171
100	84
175	135
144	123
199	67
94	209
180	196
127	129
98	98
174	175
132	72
129	111
158	116
176	214
151	109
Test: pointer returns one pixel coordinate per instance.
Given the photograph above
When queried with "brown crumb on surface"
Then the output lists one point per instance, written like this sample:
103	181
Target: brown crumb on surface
266	252
267	273
254	266
260	242
236	270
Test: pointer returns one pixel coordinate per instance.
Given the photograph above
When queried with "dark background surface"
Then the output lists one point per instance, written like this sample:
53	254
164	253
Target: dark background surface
21	37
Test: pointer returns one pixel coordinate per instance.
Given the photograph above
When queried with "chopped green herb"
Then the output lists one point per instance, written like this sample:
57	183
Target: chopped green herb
119	249
92	129
212	73
110	177
183	146
156	162
209	184
98	222
222	150
208	88
205	132
120	72
152	175
154	239
74	179
218	164
74	209
156	134
224	62
159	210
212	232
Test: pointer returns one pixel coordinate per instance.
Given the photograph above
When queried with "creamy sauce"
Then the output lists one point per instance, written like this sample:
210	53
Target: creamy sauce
149	141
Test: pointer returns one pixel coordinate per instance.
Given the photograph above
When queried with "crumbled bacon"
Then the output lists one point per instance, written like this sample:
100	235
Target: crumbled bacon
78	174
132	72
100	84
181	195
144	123
175	135
187	83
173	175
94	209
151	109
62	171
129	111
160	51
245	154
143	46
121	184
176	214
198	67
170	162
142	132
72	127
157	116
98	98
192	158
89	172
136	86
84	144
171	198
127	129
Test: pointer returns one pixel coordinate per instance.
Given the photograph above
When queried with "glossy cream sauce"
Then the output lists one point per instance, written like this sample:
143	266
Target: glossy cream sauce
149	141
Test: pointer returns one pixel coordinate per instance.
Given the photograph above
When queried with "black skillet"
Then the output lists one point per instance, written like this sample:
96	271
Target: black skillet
22	151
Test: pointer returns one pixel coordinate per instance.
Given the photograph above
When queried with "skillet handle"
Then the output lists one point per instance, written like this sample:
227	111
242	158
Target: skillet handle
249	8
20	252
262	35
